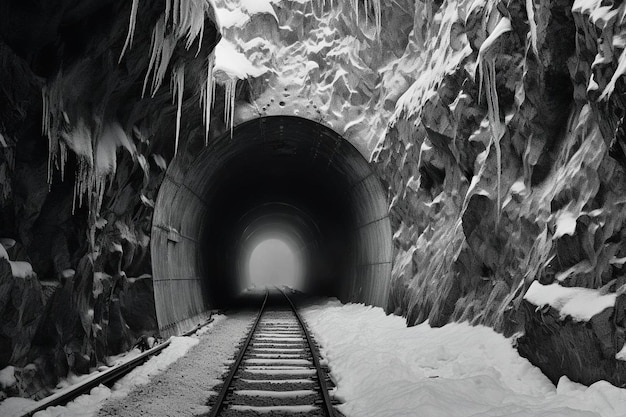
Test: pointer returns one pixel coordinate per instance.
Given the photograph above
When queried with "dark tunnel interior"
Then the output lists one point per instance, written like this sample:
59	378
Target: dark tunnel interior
279	176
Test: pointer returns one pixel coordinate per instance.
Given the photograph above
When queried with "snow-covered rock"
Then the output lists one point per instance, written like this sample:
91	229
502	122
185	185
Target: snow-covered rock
506	171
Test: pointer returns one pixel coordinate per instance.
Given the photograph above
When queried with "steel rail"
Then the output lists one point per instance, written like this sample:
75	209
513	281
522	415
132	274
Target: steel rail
116	372
219	402
321	375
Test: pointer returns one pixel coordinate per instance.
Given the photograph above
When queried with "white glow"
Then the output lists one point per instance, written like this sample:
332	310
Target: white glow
273	262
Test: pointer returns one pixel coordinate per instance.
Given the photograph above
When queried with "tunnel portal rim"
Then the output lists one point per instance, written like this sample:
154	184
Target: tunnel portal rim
318	138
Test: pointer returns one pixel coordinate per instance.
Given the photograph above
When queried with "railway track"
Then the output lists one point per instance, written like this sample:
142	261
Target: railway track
277	371
108	377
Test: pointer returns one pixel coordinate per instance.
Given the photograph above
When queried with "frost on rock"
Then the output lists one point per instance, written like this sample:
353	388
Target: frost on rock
312	58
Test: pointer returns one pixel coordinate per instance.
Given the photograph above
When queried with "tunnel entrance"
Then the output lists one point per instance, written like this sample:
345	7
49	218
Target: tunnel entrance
281	177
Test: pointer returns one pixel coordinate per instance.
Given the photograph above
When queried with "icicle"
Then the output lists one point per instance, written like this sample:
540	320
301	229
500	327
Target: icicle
45	130
229	103
63	159
131	28
51	158
207	97
45	121
178	89
74	197
530	11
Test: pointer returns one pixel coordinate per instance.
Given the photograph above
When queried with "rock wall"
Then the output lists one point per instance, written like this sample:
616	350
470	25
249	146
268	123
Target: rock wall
504	161
497	127
76	201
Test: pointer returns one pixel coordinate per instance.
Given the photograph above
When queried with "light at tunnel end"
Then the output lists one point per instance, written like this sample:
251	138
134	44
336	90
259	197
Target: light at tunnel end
271	262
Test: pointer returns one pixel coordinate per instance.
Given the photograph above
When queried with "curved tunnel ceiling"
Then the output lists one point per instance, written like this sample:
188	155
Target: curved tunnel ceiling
283	170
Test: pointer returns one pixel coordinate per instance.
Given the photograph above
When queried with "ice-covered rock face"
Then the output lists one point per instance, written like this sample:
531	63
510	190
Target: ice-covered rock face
321	60
505	165
90	113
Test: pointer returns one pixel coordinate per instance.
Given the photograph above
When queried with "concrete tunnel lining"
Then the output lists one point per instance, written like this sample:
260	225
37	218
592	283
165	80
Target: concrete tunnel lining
268	162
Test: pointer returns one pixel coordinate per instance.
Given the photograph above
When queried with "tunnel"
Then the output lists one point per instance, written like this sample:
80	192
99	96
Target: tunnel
276	176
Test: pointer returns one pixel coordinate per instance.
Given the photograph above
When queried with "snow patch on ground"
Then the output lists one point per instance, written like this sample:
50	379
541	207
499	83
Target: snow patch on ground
384	369
579	303
89	404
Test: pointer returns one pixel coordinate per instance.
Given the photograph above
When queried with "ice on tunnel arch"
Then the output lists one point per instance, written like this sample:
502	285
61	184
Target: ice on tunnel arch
273	262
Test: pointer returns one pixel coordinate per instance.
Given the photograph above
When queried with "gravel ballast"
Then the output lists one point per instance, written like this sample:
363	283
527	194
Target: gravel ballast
185	387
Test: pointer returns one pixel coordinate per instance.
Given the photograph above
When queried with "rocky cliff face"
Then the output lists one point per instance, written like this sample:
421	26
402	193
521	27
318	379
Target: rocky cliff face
497	127
87	126
505	166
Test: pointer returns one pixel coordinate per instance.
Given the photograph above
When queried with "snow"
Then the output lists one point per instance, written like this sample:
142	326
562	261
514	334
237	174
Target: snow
621	355
19	269
252	7
233	63
231	18
579	303
7	377
238	15
384	369
89	404
617	261
274	408
518	187
565	225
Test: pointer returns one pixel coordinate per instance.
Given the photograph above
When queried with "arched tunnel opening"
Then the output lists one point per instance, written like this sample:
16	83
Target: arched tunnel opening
278	177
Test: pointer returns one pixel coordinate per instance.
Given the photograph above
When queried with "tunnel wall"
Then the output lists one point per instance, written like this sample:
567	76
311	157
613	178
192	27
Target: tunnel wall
182	276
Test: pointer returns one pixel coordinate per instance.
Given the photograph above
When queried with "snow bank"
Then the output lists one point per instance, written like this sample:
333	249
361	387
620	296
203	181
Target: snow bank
384	369
89	404
579	303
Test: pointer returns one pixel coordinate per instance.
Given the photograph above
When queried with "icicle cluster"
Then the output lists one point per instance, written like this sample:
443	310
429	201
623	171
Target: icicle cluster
367	6
161	50
183	20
